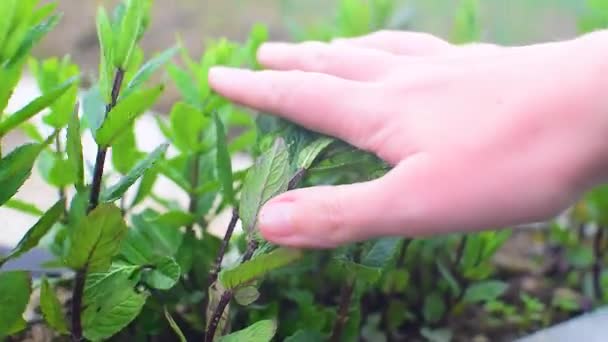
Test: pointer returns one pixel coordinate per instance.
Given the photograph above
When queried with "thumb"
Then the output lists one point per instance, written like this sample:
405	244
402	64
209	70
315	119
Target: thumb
329	216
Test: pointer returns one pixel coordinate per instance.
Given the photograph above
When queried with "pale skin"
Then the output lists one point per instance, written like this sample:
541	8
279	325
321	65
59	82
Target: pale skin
480	136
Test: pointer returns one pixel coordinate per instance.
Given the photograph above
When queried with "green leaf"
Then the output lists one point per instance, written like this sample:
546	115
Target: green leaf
434	307
466	25
164	274
16	168
24	207
184	83
55	169
37	232
15	290
93	108
125	112
146	186
51	308
305	336
97	239
125	153
484	291
19	326
174	326
266	179
144	73
74	150
7	8
437	335
32	37
175	219
308	155
187	123
113	315
129	31
105	36
257	267
224	165
34	107
580	256
381	253
447	275
262	331
246	295
117	190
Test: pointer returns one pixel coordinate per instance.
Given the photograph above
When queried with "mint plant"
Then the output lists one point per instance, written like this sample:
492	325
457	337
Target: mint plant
145	264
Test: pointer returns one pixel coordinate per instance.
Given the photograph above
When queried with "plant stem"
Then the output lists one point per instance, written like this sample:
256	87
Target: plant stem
346	295
224	246
597	265
80	278
100	159
217	315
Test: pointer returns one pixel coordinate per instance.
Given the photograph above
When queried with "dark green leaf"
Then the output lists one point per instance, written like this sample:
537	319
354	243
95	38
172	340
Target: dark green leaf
174	326
447	275
97	239
580	256
224	165
15	290
246	295
175	219
15	169
381	253
434	307
51	308
74	150
34	107
484	291
125	112
262	331
148	69
437	335
257	267
266	179
305	336
164	274
37	232
24	207
117	190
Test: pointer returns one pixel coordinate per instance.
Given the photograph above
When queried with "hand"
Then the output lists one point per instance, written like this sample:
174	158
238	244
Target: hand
480	136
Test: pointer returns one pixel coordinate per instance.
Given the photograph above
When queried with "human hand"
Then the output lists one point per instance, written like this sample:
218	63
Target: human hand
480	136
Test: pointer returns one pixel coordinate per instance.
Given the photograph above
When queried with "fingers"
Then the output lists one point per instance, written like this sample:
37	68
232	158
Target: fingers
343	61
401	43
325	217
319	102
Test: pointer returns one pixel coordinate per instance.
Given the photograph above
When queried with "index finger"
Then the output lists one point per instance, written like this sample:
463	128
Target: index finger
320	102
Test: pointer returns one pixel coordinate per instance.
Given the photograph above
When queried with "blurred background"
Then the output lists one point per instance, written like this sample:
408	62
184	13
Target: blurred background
197	21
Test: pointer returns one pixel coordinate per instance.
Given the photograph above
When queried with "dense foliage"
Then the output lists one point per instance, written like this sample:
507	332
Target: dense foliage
146	267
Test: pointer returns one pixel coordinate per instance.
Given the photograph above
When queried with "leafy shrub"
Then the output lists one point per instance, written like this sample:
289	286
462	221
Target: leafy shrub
145	266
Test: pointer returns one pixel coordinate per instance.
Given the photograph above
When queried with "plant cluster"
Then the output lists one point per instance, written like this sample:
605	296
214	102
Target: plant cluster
145	266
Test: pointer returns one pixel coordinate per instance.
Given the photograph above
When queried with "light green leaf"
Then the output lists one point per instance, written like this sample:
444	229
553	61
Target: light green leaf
51	308
187	123
117	190
257	267
184	83
305	336
174	326
175	219
32	37
164	274
55	169
93	108
466	25
381	253
7	8
266	179
246	295
447	275
34	107
37	232
111	316
262	331
124	150
484	291
146	186
15	169
97	239
74	150
148	69
105	36
15	290
224	165
24	207
437	335
129	31
308	155
125	112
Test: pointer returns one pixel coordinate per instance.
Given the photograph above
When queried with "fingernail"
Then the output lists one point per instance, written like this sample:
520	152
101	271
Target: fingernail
276	219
